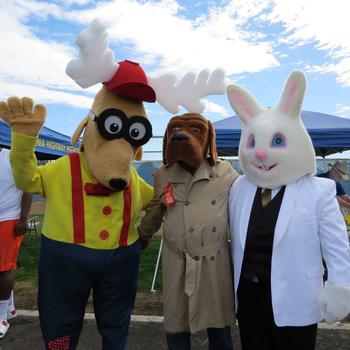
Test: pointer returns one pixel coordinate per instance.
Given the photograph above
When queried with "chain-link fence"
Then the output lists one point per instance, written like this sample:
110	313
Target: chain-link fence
153	153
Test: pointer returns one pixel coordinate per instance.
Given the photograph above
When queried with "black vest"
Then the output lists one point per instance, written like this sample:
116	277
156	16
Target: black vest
258	247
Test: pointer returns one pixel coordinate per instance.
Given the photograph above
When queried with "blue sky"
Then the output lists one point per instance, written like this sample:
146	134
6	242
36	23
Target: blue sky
257	42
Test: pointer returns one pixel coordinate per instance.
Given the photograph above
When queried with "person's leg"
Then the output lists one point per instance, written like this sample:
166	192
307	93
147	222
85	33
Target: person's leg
64	288
11	310
9	246
291	338
220	338
114	292
6	284
254	316
179	341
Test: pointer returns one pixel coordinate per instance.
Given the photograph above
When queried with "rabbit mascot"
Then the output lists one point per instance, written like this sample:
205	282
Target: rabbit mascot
283	222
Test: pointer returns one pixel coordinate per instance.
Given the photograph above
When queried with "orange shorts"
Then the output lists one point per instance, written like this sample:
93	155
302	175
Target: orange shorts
9	245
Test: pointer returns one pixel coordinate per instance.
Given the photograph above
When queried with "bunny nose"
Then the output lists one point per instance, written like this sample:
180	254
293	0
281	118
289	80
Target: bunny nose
261	154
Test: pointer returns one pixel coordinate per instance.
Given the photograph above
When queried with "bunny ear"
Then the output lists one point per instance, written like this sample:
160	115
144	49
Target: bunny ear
293	94
243	103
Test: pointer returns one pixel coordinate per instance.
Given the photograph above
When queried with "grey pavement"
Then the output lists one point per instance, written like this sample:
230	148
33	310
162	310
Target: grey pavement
24	334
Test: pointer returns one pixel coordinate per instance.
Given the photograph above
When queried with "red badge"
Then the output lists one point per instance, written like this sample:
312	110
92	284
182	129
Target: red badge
169	198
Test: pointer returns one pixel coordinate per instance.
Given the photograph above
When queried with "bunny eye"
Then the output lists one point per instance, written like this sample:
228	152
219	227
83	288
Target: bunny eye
251	141
278	141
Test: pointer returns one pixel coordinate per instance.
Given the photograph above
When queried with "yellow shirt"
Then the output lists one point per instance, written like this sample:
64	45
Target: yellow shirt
53	181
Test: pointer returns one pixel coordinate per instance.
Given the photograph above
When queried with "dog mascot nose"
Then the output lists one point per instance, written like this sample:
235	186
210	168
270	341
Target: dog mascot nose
180	136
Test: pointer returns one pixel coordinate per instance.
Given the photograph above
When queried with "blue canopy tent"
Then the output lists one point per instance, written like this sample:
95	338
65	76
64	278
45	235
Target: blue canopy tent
50	145
329	134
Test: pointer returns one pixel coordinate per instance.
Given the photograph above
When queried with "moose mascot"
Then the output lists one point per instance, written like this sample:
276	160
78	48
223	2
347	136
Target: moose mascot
93	198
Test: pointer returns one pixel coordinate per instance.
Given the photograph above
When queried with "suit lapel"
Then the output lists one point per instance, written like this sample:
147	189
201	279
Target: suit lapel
286	211
246	208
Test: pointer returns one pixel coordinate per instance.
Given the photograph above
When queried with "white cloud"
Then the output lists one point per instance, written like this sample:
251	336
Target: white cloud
343	110
27	58
324	24
159	32
162	36
215	110
43	95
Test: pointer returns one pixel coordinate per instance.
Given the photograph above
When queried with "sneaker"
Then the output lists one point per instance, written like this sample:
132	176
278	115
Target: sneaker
12	314
4	327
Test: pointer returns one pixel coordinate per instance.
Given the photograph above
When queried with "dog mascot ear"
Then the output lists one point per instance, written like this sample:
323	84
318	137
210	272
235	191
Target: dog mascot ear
165	141
212	144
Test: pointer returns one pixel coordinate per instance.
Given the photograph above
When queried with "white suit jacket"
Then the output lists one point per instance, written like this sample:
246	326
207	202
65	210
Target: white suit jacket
309	226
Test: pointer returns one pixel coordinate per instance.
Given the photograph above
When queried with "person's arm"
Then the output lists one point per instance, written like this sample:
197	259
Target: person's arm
344	201
152	220
21	225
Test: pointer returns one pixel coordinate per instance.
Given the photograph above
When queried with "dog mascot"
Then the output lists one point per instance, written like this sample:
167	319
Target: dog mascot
191	193
283	222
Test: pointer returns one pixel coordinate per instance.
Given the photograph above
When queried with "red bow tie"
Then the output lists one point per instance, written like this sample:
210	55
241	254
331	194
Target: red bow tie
97	190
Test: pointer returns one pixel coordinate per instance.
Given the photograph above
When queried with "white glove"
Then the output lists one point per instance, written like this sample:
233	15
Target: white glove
334	302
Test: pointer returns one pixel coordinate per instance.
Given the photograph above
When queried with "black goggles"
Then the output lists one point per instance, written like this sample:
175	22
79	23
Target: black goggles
113	124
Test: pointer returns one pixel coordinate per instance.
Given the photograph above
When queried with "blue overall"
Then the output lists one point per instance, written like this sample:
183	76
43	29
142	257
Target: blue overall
67	274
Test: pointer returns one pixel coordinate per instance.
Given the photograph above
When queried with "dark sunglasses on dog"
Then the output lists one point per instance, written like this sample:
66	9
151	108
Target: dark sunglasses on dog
113	124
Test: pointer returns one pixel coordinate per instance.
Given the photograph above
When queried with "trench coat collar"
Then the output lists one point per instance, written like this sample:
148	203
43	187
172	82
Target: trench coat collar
179	175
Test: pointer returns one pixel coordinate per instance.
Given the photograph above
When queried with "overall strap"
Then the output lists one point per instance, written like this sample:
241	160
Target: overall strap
123	240
77	199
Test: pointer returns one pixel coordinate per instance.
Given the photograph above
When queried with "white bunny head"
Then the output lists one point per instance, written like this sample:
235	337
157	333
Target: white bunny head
275	148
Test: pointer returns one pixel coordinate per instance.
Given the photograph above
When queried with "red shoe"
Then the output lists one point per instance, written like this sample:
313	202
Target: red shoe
4	327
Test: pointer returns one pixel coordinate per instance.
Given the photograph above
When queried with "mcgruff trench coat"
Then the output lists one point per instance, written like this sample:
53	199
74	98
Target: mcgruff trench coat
197	278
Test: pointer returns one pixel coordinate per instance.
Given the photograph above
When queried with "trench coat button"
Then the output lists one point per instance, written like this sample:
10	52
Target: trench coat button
107	210
187	203
196	258
213	202
191	229
213	229
104	234
211	175
212	258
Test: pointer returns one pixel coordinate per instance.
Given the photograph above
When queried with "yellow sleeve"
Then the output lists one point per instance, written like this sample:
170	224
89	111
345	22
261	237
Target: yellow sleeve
24	164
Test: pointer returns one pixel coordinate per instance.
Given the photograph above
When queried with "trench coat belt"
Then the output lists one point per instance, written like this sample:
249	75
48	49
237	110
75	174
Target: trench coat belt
193	258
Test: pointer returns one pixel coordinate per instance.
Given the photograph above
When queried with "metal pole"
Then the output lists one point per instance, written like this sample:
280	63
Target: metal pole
157	265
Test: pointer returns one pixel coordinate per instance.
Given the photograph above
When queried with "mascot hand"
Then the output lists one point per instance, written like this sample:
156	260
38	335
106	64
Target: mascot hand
334	301
144	244
19	114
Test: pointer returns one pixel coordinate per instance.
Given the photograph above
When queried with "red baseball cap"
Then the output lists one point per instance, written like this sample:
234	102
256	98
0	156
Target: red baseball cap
130	81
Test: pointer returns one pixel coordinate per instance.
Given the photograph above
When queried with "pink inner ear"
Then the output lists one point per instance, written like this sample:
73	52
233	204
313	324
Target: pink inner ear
290	97
239	101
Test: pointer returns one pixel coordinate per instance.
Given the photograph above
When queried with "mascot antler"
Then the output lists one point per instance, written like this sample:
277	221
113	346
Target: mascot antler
96	62
189	91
